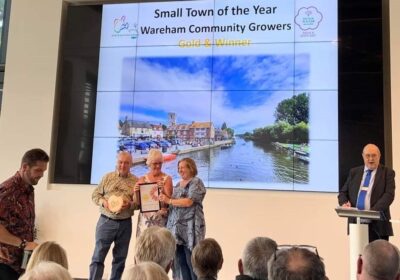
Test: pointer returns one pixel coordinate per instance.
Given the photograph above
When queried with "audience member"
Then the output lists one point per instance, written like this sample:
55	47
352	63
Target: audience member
380	260
254	262
48	251
47	271
296	263
145	271
156	244
207	259
114	225
17	213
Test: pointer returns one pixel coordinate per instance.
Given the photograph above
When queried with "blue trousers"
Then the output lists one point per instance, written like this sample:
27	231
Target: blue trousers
182	268
107	232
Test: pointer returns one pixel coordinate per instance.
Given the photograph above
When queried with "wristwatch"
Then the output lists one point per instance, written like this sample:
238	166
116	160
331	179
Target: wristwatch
23	244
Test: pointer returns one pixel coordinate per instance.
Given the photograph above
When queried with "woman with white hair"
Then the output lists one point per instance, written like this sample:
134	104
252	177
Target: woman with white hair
145	271
164	181
47	271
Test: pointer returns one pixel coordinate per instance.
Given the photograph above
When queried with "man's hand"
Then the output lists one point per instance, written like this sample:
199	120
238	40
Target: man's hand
104	203
346	204
126	205
30	246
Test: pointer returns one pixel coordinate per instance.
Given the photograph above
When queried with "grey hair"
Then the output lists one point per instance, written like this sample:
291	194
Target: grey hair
145	271
156	244
381	260
256	255
154	155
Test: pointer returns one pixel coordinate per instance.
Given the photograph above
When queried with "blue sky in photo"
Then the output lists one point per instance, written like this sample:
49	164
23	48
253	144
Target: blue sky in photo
189	64
245	89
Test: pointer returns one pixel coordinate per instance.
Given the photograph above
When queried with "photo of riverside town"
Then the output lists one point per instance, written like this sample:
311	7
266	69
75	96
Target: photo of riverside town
223	155
248	128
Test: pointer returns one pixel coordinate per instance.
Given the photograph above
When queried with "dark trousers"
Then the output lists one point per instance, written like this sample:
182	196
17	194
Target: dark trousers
373	235
7	273
182	268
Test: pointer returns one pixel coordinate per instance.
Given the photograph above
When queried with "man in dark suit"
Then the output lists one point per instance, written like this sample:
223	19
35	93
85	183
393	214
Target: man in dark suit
370	187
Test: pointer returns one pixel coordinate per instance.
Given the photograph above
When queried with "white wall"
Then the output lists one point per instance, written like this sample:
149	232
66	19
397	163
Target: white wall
66	214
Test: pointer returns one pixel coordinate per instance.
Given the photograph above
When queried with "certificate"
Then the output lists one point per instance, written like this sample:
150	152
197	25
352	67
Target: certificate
148	194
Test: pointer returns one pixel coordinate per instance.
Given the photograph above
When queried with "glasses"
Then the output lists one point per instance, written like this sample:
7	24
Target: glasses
310	248
370	155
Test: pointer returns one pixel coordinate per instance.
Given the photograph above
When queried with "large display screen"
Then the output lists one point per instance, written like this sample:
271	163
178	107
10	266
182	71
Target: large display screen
248	89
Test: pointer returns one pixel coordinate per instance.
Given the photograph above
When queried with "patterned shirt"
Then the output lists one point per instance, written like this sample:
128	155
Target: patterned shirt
187	224
113	184
17	215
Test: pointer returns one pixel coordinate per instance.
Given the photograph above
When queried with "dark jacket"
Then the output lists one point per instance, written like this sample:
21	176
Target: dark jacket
381	197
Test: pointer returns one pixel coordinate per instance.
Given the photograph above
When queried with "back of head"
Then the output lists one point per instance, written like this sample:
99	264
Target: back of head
156	244
145	271
207	258
48	251
381	260
296	264
32	156
47	271
256	255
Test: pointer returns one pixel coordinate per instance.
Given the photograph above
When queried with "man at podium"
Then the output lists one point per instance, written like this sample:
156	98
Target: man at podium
370	187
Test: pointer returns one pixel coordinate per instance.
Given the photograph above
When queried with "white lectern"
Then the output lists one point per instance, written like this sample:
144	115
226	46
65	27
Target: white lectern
358	233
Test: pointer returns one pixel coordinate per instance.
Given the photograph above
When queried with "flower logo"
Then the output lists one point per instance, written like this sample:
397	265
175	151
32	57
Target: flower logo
308	18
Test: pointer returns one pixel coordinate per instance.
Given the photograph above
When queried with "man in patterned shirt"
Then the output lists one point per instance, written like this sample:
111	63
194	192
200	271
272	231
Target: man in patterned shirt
17	213
114	226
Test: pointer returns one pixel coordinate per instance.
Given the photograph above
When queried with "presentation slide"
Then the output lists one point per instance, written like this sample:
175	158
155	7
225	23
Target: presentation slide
248	89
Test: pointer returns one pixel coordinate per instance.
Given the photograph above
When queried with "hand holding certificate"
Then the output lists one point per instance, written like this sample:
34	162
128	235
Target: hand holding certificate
148	194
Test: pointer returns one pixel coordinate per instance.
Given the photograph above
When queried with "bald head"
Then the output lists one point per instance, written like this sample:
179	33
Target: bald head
371	156
380	260
296	264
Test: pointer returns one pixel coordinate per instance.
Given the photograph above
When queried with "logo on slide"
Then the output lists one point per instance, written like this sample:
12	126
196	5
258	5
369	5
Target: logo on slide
123	28
308	19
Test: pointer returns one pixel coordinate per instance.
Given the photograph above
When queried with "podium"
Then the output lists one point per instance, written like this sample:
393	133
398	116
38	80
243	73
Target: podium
358	232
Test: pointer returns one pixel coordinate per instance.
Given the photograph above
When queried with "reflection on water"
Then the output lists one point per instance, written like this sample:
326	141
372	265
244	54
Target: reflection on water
245	161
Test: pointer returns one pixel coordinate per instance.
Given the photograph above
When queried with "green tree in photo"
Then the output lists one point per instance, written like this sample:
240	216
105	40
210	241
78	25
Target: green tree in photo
293	110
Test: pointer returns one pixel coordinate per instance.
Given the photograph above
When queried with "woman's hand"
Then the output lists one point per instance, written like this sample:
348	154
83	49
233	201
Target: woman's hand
164	198
163	211
136	187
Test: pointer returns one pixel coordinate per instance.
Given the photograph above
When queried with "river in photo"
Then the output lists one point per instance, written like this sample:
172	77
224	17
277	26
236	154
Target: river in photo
244	161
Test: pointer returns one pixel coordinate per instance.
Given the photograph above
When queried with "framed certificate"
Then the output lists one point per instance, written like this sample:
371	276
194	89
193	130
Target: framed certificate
148	195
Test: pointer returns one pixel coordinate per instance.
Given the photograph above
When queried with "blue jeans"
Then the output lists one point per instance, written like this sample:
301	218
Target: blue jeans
107	232
182	268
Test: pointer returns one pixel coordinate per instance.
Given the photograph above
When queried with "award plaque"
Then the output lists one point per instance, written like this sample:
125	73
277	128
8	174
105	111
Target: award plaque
115	203
148	194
